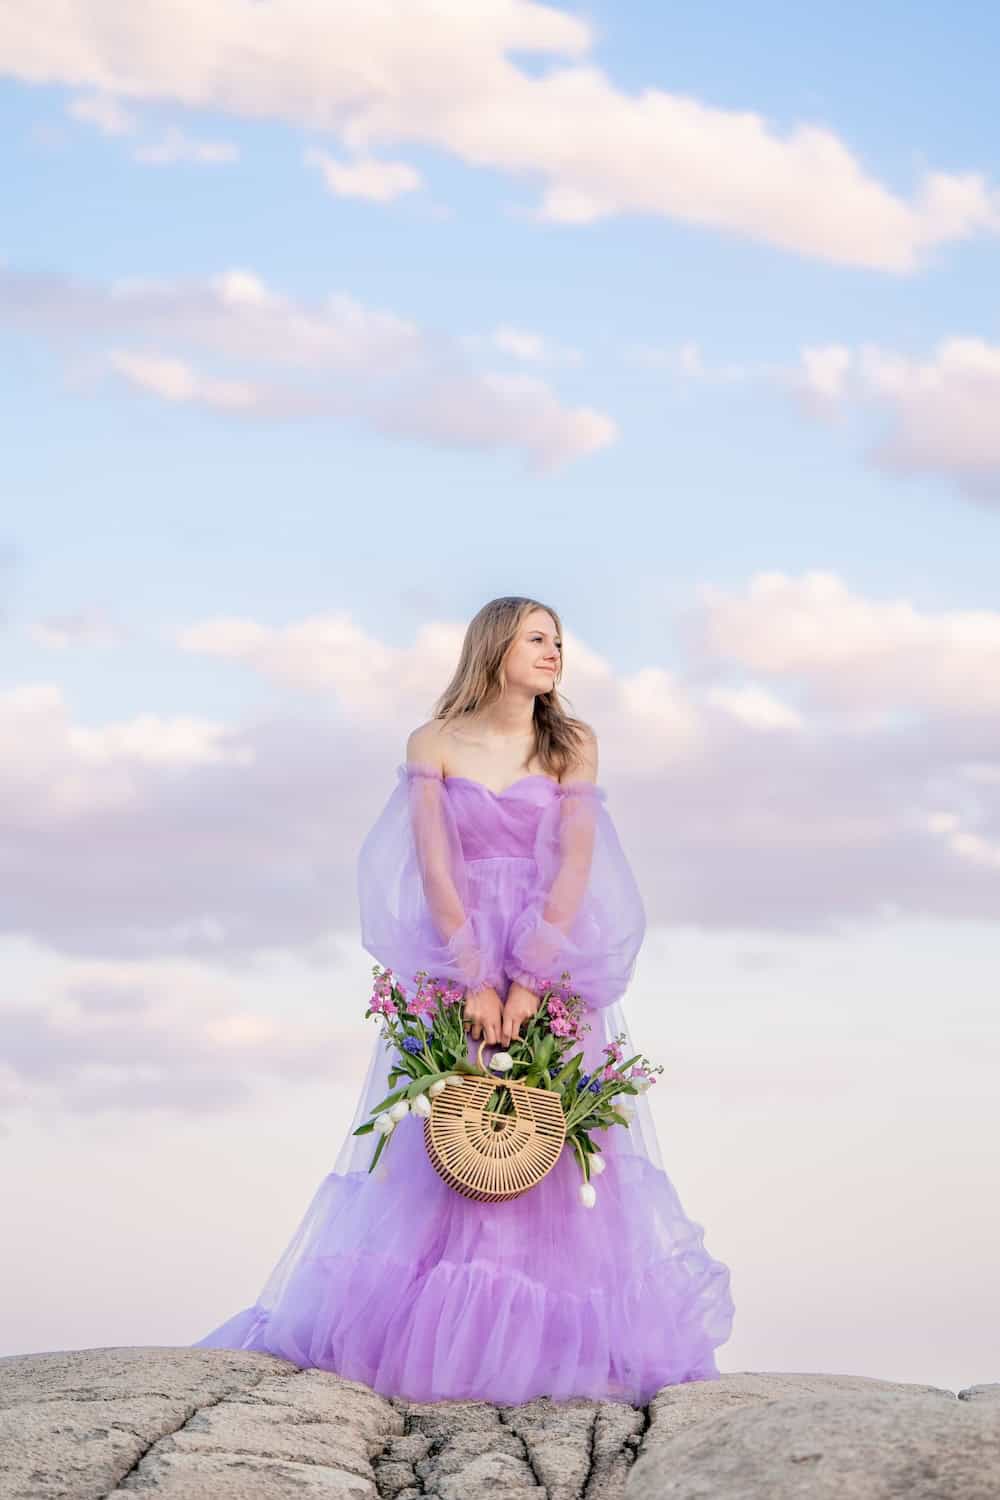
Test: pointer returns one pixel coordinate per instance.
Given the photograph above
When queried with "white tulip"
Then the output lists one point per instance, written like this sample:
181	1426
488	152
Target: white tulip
437	1086
384	1124
422	1105
454	1080
597	1165
588	1196
503	1062
399	1109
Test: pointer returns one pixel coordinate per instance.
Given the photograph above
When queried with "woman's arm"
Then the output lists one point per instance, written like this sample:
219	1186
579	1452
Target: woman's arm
584	913
440	859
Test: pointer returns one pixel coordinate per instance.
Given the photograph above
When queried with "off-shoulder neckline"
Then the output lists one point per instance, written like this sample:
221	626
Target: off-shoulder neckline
535	776
407	769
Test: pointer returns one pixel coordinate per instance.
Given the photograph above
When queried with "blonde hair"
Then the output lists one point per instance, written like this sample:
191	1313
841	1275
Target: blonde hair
479	680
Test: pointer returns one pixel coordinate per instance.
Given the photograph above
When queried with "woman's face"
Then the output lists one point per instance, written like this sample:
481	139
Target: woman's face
534	656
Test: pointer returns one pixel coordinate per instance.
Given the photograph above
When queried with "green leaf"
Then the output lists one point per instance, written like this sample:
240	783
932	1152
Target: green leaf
422	1084
387	1101
365	1128
378	1152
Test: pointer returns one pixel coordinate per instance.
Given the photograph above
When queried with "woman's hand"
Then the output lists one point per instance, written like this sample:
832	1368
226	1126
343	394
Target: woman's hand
519	1007
482	1013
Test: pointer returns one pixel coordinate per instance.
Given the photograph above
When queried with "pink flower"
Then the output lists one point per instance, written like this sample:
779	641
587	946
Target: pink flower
422	1004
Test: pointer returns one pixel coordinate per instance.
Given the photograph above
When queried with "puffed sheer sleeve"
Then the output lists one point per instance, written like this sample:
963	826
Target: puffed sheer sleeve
413	888
584	911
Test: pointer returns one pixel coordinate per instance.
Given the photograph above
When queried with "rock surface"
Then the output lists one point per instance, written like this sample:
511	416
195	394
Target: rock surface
785	1437
217	1424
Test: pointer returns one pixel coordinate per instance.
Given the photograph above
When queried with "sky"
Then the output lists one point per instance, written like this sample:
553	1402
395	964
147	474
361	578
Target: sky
321	326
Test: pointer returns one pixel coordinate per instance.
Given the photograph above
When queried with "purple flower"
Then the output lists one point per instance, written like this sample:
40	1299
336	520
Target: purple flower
413	1045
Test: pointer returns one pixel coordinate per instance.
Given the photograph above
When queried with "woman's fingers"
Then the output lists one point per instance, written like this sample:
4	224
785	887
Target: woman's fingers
511	1026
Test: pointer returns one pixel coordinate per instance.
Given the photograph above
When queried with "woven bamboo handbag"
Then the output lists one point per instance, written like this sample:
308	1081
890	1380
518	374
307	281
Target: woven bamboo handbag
493	1157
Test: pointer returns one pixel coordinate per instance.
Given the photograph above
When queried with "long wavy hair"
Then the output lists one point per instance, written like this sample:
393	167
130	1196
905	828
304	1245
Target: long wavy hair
479	680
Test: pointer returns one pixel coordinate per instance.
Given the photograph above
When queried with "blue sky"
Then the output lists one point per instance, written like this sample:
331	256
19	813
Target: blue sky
681	386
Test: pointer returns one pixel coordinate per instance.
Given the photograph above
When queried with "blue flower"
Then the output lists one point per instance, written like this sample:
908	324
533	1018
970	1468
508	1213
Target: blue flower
595	1087
584	1080
412	1044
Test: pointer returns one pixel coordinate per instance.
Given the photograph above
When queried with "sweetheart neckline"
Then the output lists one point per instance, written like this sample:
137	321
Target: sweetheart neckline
534	776
406	770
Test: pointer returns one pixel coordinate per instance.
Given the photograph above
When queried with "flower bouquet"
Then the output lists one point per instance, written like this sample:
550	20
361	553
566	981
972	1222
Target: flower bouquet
428	1029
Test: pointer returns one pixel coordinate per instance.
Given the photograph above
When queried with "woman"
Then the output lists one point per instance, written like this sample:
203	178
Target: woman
494	864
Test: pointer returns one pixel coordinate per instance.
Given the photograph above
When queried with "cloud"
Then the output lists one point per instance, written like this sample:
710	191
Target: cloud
103	111
422	75
940	410
142	1038
107	113
687	361
175	380
757	708
533	348
819	759
825	372
176	146
376	181
10	561
852	654
90	627
333	359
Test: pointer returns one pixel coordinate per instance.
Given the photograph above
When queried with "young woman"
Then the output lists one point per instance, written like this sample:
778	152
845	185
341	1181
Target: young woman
495	864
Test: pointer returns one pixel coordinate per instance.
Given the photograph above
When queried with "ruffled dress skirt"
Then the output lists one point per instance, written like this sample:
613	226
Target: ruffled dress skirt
396	1280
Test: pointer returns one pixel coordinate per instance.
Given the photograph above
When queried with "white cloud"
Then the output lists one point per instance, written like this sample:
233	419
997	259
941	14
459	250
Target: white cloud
377	181
821	757
176	380
420	74
532	348
486	412
941	409
687	361
756	707
91	627
177	146
855	653
348	362
104	111
145	1037
825	371
52	770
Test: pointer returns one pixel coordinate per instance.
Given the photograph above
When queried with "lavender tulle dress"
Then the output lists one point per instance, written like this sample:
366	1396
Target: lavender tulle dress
394	1279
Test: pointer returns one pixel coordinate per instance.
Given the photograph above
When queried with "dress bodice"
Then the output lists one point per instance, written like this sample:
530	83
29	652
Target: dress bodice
499	825
482	887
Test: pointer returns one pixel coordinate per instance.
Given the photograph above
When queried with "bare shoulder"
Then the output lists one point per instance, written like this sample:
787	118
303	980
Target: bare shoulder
584	766
424	745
